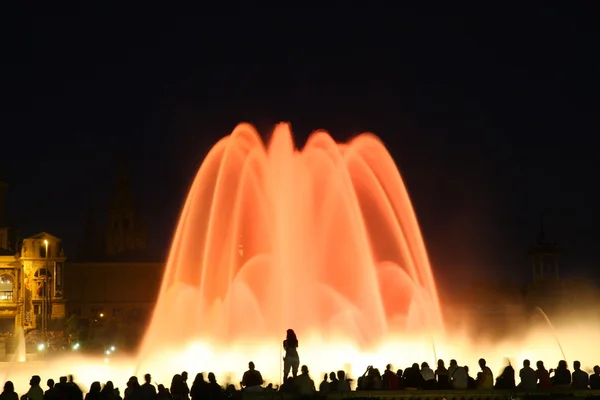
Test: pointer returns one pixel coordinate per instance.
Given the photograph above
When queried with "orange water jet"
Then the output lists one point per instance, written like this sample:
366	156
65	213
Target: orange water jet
324	240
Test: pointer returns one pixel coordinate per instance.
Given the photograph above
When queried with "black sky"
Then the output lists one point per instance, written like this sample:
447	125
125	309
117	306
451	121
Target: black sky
491	114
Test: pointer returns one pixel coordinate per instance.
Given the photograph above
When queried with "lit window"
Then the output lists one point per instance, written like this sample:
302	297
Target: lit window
6	296
6	287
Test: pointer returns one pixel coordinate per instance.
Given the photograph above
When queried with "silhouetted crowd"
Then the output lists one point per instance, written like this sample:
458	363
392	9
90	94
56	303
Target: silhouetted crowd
458	377
415	377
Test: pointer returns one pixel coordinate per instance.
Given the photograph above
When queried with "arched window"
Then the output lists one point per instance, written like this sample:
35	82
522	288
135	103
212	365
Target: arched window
6	287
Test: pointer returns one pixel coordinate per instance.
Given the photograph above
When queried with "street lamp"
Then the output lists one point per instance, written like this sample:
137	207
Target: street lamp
45	297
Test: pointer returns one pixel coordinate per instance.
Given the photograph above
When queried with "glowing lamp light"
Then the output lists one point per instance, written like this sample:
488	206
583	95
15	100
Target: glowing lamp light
107	352
112	348
76	346
101	315
41	347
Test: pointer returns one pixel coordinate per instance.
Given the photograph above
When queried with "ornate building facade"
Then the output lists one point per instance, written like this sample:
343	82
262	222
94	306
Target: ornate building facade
10	270
42	288
31	278
110	277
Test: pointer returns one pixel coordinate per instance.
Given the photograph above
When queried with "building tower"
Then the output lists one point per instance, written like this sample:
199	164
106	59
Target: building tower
124	231
90	245
42	285
4	228
544	257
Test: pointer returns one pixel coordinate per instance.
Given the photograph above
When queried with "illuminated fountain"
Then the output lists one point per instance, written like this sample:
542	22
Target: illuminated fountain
323	240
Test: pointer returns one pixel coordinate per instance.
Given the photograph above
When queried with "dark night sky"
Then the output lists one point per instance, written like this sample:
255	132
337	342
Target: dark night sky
491	114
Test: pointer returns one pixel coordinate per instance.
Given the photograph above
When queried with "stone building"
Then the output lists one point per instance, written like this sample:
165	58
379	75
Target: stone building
41	281
10	270
9	300
111	276
125	233
112	288
31	277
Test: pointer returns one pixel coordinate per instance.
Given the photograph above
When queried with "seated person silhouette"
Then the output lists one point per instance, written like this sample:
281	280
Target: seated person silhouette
428	376
252	379
324	386
543	376
528	377
304	383
562	375
343	384
390	379
412	378
35	391
460	378
443	376
506	380
9	392
595	378
288	386
580	379
485	378
471	382
334	382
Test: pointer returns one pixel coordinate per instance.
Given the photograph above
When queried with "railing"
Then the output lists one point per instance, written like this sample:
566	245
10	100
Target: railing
433	395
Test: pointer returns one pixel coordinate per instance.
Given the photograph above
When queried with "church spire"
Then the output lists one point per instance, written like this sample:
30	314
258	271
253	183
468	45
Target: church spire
89	246
123	191
544	255
124	231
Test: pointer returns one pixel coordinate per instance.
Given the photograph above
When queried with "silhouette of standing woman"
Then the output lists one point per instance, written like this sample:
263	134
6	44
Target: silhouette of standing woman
291	359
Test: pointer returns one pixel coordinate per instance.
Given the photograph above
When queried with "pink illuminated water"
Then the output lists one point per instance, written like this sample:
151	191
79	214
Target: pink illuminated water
323	239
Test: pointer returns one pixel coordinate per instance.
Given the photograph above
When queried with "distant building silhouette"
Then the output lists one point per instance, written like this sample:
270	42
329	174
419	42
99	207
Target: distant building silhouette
91	244
546	289
125	233
544	256
112	277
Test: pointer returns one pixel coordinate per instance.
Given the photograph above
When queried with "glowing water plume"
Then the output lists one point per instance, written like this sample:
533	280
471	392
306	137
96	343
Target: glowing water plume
20	354
554	333
324	240
433	348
